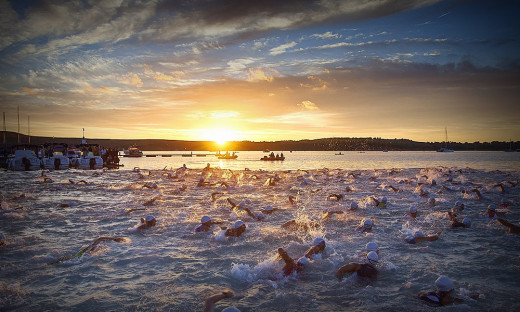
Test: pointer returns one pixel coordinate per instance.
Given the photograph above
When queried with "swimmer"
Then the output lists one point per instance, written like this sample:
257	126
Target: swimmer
393	188
147	222
366	269
444	293
419	236
236	230
318	247
327	215
205	224
371	246
492	212
336	197
430	202
90	248
214	195
477	192
466	222
353	206
380	203
207	168
210	301
203	183
79	182
412	212
500	186
365	226
150	185
293	225
2	240
459	206
151	201
513	229
292	200
268	209
291	265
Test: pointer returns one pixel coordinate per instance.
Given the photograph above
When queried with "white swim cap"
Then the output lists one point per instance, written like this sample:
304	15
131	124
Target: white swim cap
492	207
269	208
303	260
384	199
413	209
231	309
372	247
372	257
367	223
444	283
149	218
238	224
318	240
354	205
466	221
205	219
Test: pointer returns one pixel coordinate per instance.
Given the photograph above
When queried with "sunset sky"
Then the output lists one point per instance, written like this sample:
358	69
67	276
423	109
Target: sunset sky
262	70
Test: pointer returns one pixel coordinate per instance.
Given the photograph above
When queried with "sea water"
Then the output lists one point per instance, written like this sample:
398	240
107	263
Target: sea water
169	267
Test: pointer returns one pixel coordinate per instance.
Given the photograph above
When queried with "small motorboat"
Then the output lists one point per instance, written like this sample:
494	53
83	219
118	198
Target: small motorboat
272	158
133	151
24	158
228	156
90	158
340	153
55	156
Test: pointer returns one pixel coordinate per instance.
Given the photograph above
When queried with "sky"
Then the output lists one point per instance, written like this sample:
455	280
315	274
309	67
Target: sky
262	70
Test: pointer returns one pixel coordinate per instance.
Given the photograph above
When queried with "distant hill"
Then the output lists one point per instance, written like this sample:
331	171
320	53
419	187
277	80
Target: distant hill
325	144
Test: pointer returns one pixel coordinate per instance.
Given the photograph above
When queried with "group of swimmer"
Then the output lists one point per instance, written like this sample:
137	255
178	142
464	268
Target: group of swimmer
443	295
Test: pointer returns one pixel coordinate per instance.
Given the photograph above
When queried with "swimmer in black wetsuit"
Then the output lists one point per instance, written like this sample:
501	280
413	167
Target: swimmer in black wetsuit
444	293
205	224
466	222
147	222
90	248
366	269
238	228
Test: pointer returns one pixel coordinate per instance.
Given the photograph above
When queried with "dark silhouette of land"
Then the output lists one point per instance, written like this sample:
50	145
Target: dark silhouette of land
326	144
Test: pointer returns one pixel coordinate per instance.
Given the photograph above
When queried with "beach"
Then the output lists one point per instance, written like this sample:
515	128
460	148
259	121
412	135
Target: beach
170	267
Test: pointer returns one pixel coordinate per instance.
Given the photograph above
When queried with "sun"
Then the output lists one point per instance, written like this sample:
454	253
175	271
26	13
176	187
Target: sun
221	135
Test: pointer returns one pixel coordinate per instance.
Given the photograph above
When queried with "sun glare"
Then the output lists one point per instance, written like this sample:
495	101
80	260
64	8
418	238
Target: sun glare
221	136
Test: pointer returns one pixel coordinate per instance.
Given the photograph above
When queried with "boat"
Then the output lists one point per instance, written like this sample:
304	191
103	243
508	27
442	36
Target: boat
445	149
187	155
266	158
24	158
266	150
272	157
228	156
90	158
340	153
55	156
133	151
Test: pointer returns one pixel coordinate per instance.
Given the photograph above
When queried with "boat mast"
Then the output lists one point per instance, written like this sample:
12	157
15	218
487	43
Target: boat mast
29	128
18	124
4	129
446	142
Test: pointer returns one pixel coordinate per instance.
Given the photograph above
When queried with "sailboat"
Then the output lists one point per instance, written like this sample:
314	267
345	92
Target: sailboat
445	149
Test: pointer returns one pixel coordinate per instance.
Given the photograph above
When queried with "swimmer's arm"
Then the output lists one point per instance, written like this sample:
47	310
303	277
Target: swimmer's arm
210	301
347	268
312	251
